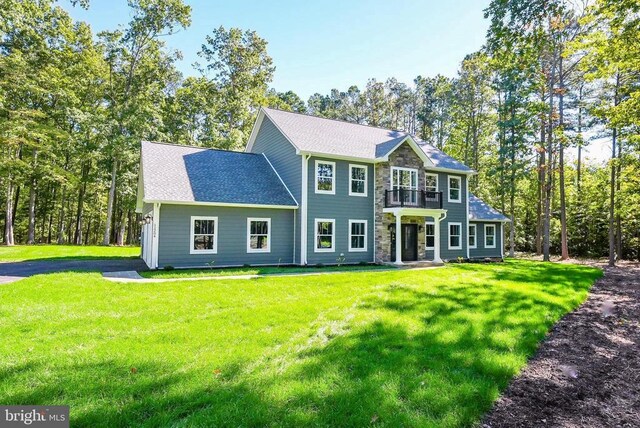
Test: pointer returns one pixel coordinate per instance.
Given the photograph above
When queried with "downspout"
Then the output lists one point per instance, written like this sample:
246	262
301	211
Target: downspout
303	207
156	236
295	217
375	195
467	217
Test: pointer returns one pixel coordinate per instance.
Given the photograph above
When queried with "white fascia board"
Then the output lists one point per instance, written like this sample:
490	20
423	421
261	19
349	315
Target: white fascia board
334	156
416	148
222	204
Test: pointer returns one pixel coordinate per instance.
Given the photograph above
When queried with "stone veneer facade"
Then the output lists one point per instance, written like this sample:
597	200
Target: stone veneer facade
403	156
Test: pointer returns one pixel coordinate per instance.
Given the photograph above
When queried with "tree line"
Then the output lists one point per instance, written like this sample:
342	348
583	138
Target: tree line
554	77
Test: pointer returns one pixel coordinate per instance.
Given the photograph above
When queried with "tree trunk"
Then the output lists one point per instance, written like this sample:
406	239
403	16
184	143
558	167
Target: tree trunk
31	235
549	174
612	201
618	218
61	218
112	193
564	246
77	238
612	190
579	166
541	181
8	219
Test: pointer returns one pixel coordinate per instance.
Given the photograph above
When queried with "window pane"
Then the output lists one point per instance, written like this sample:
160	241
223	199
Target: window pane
325	183
454	241
454	183
324	242
203	227
259	242
357	242
325	170
454	229
357	186
357	228
259	227
431	183
431	240
203	242
358	173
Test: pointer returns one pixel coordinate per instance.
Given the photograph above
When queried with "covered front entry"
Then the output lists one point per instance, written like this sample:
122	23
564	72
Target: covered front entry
404	245
409	242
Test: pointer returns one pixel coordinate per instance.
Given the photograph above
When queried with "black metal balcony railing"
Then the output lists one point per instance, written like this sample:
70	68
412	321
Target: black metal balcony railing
412	198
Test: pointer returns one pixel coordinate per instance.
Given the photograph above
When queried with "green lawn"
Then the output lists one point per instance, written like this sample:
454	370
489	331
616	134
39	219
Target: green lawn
390	348
20	253
257	270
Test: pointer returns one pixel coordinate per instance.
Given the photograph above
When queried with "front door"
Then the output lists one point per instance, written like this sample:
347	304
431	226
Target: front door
409	242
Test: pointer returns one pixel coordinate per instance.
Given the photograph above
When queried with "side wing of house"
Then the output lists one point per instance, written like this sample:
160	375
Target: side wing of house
267	139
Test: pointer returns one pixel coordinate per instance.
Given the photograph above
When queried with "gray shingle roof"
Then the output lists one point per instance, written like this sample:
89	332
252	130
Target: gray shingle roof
480	210
193	174
336	137
440	159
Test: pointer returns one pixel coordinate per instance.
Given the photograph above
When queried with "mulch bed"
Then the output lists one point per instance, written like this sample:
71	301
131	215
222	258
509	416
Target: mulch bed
587	371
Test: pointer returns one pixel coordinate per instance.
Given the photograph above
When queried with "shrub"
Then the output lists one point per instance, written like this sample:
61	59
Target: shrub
168	267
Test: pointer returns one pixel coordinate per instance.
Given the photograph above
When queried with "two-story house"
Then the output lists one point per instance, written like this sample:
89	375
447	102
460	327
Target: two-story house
311	190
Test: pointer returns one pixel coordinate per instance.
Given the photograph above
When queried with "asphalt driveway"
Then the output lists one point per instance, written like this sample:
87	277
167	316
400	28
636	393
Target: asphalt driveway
14	271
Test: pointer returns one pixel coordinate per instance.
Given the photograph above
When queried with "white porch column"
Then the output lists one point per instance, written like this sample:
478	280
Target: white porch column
436	238
398	239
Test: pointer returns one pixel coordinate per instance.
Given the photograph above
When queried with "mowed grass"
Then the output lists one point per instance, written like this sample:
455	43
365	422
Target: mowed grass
20	253
388	348
258	270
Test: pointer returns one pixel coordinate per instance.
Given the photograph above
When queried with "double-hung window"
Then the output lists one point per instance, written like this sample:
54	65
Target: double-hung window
325	177
431	182
490	236
325	235
472	236
430	235
455	188
455	236
357	180
404	183
204	235
258	235
357	235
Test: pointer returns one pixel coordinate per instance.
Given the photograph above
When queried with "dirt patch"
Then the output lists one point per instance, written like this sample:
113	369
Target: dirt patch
587	372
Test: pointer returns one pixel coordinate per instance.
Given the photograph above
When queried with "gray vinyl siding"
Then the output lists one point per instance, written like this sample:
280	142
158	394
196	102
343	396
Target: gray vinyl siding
342	207
456	213
175	232
286	162
481	251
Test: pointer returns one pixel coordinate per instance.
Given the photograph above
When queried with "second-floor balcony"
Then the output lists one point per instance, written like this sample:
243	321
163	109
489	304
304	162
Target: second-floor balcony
412	199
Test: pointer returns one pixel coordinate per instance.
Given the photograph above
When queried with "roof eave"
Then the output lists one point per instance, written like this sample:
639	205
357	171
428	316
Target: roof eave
220	204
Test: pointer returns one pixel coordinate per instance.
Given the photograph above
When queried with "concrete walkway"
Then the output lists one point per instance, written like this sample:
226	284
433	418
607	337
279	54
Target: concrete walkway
133	276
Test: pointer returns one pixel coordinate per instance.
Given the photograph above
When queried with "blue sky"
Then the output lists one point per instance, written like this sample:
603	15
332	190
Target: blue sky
320	45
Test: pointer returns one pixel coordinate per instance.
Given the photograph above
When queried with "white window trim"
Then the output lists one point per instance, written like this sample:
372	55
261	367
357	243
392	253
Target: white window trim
456	177
366	236
495	232
454	223
401	168
333	183
192	235
475	236
430	174
333	236
258	250
366	179
432	223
